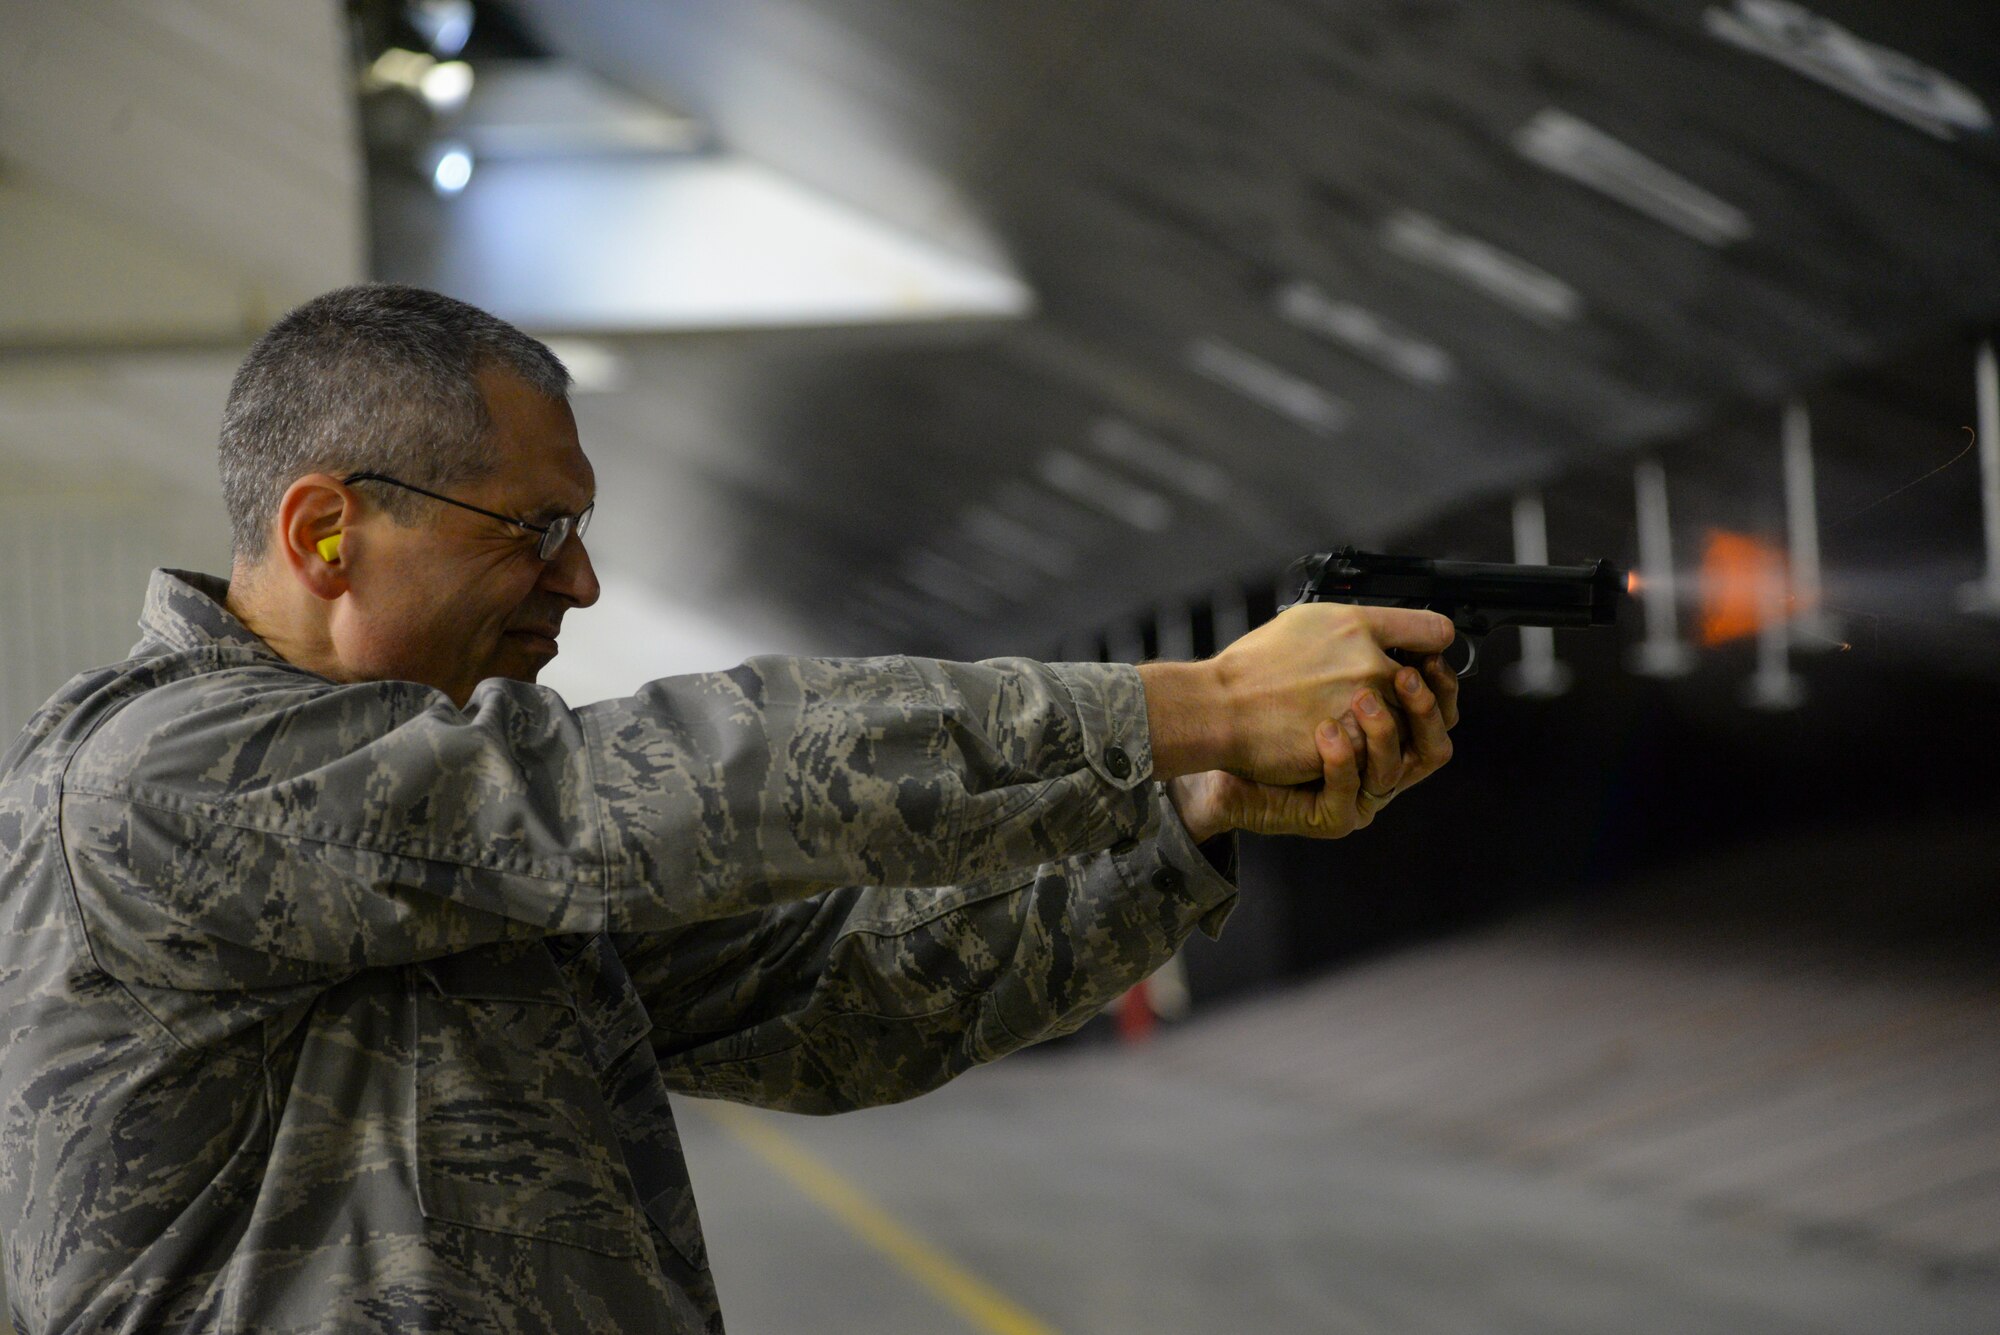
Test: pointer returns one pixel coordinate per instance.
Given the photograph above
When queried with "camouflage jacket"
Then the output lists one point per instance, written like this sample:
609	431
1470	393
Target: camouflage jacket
335	1007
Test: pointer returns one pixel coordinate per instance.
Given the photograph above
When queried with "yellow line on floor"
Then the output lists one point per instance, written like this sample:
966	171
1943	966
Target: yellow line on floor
964	1293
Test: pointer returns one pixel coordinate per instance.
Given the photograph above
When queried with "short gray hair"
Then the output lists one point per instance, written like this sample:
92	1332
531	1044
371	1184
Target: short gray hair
377	378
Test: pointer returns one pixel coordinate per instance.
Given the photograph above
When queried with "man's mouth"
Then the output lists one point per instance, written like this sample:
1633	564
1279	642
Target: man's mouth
537	637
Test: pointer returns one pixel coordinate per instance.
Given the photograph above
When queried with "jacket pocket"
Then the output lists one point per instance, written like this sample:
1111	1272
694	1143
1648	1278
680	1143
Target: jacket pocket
512	1134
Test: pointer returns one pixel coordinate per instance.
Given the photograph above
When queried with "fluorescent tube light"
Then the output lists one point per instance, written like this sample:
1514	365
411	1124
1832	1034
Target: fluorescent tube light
1105	491
1887	80
1262	383
1117	439
1366	334
1483	267
1587	155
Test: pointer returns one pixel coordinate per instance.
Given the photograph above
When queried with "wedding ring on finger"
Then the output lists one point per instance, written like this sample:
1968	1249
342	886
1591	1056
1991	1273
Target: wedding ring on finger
1378	800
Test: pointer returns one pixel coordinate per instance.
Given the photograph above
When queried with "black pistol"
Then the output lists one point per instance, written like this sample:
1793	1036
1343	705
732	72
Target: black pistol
1478	596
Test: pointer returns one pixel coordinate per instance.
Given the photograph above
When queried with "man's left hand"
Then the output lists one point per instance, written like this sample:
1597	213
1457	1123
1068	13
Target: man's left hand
1366	758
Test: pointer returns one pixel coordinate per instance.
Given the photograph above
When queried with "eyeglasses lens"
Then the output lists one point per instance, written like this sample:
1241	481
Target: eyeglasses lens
560	530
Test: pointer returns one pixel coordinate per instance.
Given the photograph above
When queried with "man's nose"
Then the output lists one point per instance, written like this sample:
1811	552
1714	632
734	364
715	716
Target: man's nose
571	575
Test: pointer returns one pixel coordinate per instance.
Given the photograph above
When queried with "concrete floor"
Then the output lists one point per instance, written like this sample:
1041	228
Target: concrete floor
1568	1124
1109	1198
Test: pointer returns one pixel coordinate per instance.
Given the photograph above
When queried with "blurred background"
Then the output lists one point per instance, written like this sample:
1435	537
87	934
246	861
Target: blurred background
1060	328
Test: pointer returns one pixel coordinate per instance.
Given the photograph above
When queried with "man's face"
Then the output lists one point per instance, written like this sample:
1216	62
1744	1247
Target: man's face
459	597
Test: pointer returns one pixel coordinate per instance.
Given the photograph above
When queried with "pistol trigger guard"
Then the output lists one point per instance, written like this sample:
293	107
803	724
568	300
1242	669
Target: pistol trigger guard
1468	628
1471	657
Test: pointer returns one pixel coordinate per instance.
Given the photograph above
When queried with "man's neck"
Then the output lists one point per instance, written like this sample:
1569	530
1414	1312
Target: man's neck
291	632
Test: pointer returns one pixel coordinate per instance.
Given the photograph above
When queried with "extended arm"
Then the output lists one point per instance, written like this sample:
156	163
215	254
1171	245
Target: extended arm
257	826
869	996
246	824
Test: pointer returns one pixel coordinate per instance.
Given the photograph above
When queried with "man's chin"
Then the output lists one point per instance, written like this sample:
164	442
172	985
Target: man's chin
519	667
515	667
529	651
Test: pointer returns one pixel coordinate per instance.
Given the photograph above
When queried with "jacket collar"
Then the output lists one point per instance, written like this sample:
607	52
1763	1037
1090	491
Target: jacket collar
184	610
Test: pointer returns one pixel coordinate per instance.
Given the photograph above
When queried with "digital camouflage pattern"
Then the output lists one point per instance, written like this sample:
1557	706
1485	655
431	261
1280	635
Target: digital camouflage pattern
334	1007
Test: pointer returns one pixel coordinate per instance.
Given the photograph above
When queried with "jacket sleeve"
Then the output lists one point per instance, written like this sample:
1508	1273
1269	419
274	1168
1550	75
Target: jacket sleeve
868	996
252	826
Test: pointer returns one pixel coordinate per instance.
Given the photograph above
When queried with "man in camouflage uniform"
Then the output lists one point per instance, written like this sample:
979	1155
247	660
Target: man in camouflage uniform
346	972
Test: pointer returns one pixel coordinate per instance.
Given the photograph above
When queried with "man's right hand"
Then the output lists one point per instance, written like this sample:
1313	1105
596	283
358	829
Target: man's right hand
1254	709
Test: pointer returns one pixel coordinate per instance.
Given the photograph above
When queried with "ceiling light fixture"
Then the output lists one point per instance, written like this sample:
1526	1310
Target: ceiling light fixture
451	169
1887	80
946	582
1122	441
1105	491
1266	385
1366	334
1485	268
1587	155
398	67
891	607
445	24
446	86
1008	537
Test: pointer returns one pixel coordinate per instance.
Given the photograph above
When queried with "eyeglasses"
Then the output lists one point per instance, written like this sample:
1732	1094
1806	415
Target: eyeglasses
553	534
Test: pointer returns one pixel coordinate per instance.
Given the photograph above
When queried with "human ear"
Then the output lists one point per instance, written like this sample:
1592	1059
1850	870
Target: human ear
311	533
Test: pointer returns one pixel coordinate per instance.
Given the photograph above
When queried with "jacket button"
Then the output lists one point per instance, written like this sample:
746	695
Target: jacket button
1117	762
1166	879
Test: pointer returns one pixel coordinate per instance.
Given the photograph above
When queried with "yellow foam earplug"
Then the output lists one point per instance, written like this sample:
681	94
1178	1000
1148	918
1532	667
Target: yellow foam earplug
329	548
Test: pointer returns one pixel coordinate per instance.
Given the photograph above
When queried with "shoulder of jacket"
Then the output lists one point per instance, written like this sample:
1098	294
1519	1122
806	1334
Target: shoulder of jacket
188	710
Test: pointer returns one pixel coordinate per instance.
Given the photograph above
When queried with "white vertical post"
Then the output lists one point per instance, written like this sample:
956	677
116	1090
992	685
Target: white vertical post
1232	615
1176	626
1662	653
1126	643
1983	595
1537	675
1819	628
1773	685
